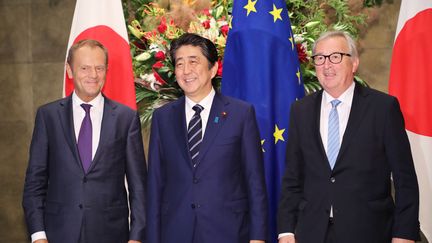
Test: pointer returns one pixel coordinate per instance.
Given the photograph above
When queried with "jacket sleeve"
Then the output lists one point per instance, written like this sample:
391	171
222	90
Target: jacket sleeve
398	153
136	175
154	186
292	185
36	181
253	163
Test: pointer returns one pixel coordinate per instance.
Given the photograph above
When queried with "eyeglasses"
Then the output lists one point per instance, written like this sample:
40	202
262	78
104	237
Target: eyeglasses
335	58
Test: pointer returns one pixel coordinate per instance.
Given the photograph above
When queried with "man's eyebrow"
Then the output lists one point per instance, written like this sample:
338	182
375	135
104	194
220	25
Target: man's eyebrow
187	57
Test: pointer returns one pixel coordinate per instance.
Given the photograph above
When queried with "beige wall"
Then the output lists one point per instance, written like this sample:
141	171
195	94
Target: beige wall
33	40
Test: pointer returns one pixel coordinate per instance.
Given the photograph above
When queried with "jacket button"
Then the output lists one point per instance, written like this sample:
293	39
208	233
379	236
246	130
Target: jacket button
80	206
195	180
332	179
193	206
84	179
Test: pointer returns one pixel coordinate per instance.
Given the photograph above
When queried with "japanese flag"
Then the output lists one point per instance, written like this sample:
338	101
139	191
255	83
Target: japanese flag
103	21
411	82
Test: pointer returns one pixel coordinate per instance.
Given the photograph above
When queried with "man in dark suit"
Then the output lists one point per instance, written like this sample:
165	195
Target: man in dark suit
82	149
344	145
206	178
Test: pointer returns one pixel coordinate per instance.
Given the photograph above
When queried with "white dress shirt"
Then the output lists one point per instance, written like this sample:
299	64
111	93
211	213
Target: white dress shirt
96	114
343	109
206	103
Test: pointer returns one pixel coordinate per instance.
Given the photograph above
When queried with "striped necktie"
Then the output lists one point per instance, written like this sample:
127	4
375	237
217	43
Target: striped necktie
333	143
195	134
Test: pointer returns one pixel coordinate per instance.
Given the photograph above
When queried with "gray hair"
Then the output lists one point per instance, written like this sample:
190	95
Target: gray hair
337	33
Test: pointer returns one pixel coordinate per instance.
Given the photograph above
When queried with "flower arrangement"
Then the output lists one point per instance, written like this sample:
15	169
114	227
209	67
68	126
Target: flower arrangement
156	24
154	72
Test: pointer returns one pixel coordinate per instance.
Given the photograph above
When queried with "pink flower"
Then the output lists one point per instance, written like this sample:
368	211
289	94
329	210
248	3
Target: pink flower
206	24
206	12
224	29
160	56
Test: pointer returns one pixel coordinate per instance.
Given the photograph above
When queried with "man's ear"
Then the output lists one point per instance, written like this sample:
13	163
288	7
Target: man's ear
214	69
69	71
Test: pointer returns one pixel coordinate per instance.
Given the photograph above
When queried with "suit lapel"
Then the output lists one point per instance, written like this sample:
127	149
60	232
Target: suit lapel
107	129
180	129
214	123
66	120
358	108
317	104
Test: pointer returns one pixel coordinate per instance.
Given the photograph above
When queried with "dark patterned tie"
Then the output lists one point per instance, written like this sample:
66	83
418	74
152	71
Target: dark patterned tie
85	138
195	134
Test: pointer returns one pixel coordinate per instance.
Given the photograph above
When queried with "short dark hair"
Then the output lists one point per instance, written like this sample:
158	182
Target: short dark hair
207	47
86	42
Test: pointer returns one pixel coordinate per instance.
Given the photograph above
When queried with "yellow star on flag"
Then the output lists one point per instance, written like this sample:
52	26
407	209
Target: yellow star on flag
262	145
292	42
278	134
230	22
276	12
250	7
298	76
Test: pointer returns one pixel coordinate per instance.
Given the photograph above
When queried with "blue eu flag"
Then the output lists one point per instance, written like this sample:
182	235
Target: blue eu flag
261	66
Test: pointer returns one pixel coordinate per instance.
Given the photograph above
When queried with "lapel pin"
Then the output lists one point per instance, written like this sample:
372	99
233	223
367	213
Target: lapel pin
224	114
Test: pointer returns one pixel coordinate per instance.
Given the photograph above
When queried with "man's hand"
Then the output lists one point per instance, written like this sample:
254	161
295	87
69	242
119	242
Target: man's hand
41	241
399	240
287	239
256	241
134	241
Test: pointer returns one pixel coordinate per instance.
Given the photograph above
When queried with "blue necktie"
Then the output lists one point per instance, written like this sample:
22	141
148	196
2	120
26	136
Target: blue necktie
195	134
333	143
85	138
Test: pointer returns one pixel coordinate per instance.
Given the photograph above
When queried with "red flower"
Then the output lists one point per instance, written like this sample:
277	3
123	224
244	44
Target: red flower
225	29
301	51
162	26
158	78
160	56
206	24
220	67
158	64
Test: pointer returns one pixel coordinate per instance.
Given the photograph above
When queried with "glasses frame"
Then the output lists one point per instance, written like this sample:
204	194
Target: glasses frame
328	57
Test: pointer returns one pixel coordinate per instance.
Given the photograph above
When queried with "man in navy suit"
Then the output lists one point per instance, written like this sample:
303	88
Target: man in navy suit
75	191
344	145
206	178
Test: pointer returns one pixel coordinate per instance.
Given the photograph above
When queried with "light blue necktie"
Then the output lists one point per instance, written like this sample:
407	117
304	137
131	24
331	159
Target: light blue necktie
333	143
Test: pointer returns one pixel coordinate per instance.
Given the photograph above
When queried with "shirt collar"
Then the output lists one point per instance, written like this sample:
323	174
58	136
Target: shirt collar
206	102
97	102
345	97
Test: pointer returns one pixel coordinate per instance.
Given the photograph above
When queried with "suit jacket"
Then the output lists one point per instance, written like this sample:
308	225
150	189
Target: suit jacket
60	199
374	147
223	199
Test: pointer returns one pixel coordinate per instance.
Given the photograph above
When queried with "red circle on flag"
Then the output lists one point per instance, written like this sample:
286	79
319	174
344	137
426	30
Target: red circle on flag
119	84
411	76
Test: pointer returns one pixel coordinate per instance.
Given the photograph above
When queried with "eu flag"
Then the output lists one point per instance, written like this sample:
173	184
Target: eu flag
261	66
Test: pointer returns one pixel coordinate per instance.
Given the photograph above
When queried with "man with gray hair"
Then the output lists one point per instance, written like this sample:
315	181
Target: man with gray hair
345	143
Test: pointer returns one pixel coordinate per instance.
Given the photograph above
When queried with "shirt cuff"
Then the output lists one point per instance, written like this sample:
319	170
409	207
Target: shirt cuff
284	234
40	235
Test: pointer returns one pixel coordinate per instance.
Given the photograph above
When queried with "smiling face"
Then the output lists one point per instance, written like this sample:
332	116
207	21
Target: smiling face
193	73
335	78
88	71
